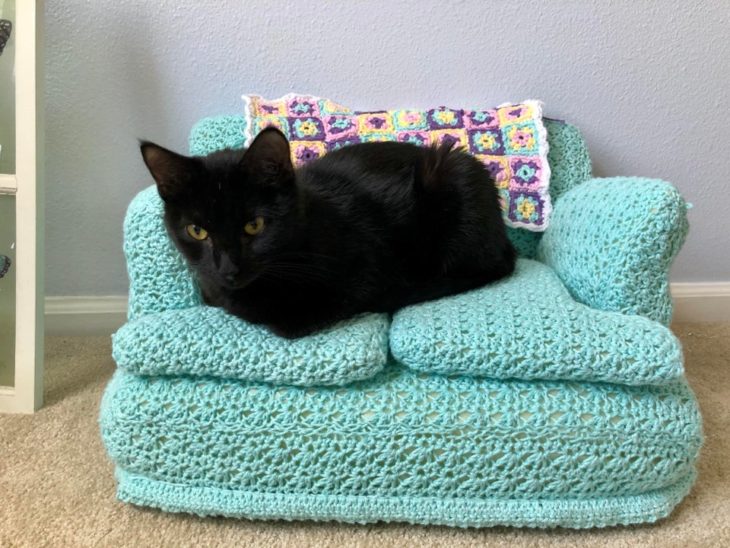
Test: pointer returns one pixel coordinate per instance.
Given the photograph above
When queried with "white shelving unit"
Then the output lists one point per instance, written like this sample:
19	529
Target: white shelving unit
26	393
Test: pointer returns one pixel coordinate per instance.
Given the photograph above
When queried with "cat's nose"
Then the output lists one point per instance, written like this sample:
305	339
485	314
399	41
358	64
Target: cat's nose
229	272
227	269
229	276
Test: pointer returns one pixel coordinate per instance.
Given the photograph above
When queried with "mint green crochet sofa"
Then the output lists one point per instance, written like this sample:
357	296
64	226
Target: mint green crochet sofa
554	398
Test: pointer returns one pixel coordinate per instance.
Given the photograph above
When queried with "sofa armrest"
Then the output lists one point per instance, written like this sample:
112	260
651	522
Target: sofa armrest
159	279
612	241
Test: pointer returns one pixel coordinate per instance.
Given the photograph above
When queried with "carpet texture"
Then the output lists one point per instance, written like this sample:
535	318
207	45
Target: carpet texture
57	487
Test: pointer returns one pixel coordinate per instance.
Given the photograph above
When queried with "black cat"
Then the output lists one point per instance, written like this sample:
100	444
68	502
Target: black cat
369	227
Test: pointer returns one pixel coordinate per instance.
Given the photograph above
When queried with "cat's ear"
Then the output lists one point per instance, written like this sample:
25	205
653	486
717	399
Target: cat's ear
269	157
172	172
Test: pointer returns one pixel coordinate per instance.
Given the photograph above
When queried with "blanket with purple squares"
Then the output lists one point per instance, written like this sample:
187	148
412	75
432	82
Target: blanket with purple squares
510	139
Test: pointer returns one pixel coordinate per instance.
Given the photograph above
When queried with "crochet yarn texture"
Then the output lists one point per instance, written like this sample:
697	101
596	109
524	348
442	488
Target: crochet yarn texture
528	327
208	341
404	446
510	140
611	242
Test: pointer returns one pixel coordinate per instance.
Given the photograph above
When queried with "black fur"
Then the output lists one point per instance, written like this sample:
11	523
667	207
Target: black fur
370	227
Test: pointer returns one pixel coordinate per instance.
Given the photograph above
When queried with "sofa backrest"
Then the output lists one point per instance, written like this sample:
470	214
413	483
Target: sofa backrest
570	164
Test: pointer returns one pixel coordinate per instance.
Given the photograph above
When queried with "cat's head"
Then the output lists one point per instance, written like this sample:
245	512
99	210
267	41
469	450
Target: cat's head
230	213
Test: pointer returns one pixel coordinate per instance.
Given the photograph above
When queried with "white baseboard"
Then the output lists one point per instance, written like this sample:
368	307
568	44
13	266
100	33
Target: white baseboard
85	315
701	302
693	302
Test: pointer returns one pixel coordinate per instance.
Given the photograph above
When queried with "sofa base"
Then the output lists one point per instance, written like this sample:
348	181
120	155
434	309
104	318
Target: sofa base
572	513
404	446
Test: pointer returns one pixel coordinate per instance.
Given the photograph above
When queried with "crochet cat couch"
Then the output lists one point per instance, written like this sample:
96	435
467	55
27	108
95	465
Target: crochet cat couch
553	398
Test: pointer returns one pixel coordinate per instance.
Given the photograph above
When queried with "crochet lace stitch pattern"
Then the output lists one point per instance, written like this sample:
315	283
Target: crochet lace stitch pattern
611	241
412	440
528	326
208	341
510	140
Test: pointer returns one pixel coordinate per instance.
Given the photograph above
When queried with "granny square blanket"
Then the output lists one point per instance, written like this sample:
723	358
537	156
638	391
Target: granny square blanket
510	139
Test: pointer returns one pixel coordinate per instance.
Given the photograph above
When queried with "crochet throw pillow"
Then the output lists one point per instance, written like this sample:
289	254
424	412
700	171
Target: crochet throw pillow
529	327
510	139
204	341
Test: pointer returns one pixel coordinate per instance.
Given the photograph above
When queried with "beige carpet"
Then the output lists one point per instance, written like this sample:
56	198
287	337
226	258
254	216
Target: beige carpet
57	488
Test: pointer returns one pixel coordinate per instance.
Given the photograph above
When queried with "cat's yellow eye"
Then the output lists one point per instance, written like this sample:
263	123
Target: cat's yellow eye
197	232
254	227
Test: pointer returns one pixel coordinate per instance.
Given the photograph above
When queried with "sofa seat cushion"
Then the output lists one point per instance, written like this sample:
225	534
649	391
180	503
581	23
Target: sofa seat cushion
528	327
207	341
404	446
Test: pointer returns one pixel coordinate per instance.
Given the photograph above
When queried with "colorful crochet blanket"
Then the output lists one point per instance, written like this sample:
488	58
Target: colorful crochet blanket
510	139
